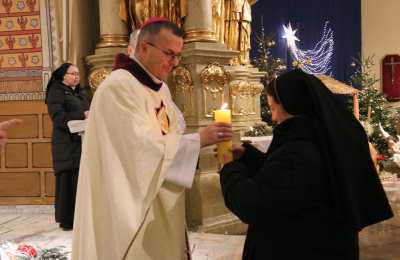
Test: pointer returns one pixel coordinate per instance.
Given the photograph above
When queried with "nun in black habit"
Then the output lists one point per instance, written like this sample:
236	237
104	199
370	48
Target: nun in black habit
66	101
315	188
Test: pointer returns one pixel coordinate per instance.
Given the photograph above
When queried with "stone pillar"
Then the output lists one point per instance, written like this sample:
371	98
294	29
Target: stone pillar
113	39
198	23
204	80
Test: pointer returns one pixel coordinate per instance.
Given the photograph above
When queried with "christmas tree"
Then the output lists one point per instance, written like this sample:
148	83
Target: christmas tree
373	104
271	66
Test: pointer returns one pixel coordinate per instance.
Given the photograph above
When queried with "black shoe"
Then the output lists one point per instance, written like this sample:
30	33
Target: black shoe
65	227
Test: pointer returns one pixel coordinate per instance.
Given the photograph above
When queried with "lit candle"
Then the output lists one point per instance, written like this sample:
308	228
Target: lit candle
369	113
356	107
223	115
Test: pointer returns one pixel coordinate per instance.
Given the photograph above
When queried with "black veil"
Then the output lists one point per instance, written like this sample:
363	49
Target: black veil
357	192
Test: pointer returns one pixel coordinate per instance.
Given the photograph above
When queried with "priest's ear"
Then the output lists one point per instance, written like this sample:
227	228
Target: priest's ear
130	50
142	47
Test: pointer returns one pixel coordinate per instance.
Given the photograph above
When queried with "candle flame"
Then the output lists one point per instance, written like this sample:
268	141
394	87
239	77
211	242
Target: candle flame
224	106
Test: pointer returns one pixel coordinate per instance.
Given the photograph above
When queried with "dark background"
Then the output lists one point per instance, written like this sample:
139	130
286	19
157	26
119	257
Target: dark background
309	17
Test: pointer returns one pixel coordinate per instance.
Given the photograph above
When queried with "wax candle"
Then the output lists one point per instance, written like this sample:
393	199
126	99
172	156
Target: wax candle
223	115
356	106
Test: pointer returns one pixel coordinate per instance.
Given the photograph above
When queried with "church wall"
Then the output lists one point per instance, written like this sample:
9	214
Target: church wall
25	164
31	45
380	31
25	65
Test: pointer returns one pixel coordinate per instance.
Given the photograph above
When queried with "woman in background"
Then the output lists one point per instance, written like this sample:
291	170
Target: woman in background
65	101
315	188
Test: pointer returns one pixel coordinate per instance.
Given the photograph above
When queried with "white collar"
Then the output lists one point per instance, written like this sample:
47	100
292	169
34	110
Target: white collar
154	78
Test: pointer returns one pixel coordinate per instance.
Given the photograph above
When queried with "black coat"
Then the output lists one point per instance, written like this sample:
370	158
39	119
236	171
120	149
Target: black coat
284	197
65	104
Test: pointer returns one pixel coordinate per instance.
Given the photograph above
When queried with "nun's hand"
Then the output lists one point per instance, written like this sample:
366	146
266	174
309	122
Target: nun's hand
237	151
227	159
86	113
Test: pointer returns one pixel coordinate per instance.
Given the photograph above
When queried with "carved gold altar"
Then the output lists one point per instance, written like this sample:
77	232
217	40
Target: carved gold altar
183	90
214	80
136	12
216	34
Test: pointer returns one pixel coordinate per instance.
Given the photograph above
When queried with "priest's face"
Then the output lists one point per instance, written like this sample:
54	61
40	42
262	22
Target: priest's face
162	53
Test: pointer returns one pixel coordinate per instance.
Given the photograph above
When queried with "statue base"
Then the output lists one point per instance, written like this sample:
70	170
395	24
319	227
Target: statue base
100	64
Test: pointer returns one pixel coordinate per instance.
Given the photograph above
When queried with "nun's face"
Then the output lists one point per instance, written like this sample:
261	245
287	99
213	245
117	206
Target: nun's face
71	77
278	113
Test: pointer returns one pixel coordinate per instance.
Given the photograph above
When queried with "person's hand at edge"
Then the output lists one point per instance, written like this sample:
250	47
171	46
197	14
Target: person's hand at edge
215	133
4	127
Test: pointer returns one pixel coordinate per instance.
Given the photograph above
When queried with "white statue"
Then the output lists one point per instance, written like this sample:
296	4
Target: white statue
394	147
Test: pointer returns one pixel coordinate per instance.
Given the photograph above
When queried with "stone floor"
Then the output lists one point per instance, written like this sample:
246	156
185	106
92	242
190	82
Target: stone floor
35	225
382	241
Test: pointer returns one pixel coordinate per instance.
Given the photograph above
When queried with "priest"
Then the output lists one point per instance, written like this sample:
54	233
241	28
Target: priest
136	160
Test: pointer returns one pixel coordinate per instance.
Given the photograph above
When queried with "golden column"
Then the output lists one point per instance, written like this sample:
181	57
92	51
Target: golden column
113	32
198	24
113	39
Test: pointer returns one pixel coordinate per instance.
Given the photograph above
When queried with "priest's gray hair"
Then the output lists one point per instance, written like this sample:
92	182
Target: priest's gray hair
133	38
150	31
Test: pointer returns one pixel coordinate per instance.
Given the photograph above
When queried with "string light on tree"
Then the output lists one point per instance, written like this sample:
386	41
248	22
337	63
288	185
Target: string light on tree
316	60
267	63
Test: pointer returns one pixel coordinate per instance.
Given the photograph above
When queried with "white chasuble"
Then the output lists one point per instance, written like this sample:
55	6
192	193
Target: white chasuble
124	208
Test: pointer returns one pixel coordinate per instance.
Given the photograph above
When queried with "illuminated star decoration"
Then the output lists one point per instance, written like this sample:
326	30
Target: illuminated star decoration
316	60
290	35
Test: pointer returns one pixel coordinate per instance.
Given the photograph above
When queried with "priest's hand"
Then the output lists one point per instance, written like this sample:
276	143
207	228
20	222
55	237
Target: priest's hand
215	133
4	126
